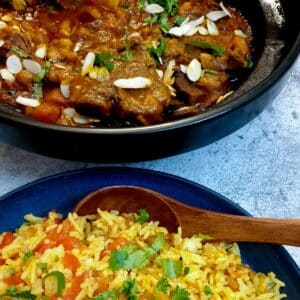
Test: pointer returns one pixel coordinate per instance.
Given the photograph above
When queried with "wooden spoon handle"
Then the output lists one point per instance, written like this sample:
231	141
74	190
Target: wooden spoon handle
227	227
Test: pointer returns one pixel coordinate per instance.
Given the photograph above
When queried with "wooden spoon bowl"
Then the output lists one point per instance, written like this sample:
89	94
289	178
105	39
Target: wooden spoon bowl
171	214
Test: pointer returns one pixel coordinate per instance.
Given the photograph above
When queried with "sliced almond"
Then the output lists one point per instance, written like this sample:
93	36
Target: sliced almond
69	112
32	66
2	43
216	15
41	51
212	28
13	64
28	101
88	63
180	31
240	33
160	73
133	83
202	30
191	32
224	97
196	22
225	9
168	76
65	89
194	70
6	75
183	68
153	9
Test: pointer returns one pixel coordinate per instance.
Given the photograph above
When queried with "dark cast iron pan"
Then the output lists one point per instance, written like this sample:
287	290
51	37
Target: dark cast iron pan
276	28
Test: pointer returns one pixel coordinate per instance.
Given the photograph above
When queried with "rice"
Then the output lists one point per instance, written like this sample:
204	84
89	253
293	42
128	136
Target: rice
112	256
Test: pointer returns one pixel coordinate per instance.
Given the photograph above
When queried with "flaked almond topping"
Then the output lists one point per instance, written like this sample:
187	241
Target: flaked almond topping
216	15
1	43
240	33
224	97
88	63
180	31
194	70
183	68
32	66
81	119
168	76
65	89
3	25
77	46
160	73
41	51
191	32
225	9
13	64
212	28
133	83
202	30
197	22
69	112
153	8
6	75
28	101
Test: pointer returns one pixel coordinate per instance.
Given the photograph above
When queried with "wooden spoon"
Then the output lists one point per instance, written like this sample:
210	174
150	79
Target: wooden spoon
171	214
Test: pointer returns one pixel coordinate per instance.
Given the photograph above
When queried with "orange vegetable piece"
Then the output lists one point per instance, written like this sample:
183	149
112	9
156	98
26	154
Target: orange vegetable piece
71	262
56	97
74	290
102	285
14	279
117	243
8	239
46	112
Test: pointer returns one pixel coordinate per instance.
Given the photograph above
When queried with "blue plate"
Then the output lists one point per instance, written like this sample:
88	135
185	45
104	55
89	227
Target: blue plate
61	192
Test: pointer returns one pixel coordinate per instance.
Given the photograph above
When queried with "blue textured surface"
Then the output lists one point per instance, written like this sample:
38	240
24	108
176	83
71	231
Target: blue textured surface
42	196
257	167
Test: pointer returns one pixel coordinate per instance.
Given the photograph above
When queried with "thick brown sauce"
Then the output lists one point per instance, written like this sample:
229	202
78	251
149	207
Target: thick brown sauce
118	28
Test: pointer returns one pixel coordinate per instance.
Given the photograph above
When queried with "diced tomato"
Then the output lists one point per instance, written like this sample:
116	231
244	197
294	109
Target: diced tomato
71	262
103	254
8	239
14	279
74	290
46	112
119	242
71	243
41	248
102	285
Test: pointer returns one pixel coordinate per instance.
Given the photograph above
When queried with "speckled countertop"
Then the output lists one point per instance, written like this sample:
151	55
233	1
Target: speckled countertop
257	167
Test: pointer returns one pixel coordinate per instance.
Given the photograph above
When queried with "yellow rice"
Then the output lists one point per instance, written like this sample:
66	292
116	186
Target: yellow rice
215	269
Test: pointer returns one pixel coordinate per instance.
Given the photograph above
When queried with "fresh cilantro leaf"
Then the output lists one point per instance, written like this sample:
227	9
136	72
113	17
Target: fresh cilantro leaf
162	285
152	19
11	270
158	244
61	281
38	90
164	25
12	292
171	269
104	60
107	295
141	4
130	289
136	260
186	271
215	49
180	294
207	290
20	52
179	20
117	259
40	76
158	52
210	72
143	216
26	256
42	266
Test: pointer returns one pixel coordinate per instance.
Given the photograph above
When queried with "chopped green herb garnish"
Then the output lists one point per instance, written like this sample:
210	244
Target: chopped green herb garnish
215	49
38	80
117	259
162	285
180	294
20	52
152	19
171	269
179	20
26	256
143	216
158	52
38	90
250	63
127	56
141	4
207	290
164	25
107	295
104	60
210	72
12	292
158	244
130	289
186	271
61	282
42	266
